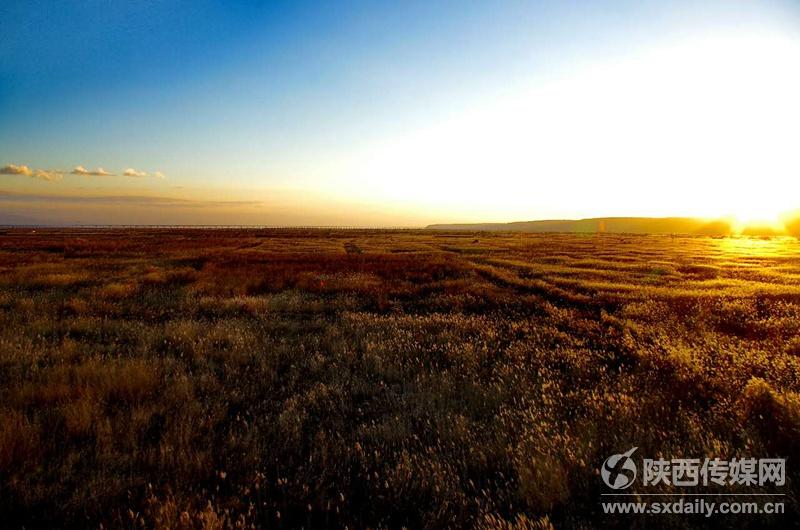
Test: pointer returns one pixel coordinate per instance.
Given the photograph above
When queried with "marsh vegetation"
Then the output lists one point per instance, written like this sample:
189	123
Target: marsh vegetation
286	378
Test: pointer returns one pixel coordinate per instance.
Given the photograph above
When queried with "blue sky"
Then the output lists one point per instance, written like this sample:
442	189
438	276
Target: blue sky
313	107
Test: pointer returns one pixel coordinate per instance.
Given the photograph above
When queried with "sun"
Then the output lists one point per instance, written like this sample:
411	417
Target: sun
757	218
757	215
758	210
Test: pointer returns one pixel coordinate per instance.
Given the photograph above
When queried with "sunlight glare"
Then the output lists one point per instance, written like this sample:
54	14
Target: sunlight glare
707	127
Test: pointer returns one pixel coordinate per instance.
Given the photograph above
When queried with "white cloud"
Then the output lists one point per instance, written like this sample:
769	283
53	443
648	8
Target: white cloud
53	175
12	169
99	172
130	172
50	176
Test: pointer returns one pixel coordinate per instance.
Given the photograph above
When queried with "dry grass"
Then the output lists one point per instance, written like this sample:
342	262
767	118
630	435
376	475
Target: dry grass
288	378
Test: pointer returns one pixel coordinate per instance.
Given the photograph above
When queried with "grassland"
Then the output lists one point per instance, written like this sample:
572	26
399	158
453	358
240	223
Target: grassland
279	378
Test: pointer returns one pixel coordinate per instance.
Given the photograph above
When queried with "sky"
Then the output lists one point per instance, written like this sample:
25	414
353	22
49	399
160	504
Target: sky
396	113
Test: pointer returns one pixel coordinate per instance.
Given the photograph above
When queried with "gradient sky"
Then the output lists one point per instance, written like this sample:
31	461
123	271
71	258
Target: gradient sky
397	113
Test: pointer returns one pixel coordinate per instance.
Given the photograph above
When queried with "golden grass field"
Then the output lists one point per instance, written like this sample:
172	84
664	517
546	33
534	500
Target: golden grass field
321	378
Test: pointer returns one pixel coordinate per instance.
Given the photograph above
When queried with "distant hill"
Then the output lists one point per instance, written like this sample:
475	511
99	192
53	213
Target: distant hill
629	225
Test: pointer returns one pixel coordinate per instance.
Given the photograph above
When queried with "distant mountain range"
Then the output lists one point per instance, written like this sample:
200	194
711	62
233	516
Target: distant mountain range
629	225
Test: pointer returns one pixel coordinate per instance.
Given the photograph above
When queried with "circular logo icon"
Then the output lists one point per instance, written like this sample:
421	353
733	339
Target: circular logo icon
619	471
